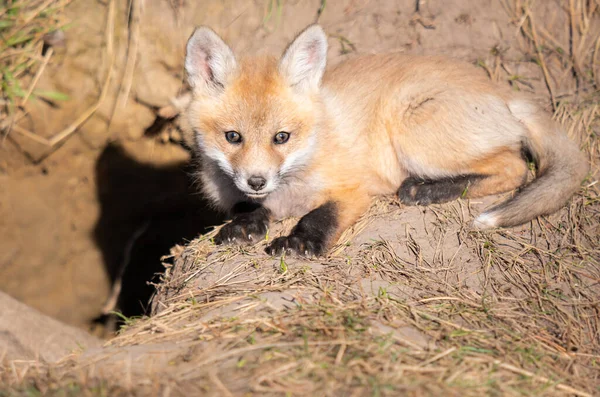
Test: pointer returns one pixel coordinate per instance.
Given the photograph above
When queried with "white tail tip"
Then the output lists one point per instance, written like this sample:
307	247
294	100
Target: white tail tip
485	221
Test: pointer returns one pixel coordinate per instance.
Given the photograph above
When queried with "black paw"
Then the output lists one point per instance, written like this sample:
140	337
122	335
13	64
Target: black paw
296	245
243	229
417	191
311	235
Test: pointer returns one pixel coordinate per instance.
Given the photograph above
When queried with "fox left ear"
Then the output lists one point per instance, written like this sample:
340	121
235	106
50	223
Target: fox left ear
303	62
208	61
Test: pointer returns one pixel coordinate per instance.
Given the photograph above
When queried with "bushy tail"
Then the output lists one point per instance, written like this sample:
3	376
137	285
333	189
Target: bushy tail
561	168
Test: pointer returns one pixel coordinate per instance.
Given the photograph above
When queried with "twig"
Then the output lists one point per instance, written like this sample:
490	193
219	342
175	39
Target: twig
64	134
595	73
572	44
132	49
36	12
323	4
542	61
38	75
236	352
113	299
438	356
543	379
31	135
111	60
222	388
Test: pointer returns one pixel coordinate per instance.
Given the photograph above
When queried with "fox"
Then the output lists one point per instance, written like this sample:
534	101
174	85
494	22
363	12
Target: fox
284	137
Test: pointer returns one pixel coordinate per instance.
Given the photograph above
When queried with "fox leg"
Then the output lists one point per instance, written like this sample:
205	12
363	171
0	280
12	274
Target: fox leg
425	191
249	224
497	173
504	171
318	230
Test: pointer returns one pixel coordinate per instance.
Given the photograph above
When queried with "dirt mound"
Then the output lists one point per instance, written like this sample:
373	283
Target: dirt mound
411	301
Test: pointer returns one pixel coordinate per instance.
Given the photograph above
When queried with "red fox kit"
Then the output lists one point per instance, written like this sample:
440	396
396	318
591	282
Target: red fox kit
283	137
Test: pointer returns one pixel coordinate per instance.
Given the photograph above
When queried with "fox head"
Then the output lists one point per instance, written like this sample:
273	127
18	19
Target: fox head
255	119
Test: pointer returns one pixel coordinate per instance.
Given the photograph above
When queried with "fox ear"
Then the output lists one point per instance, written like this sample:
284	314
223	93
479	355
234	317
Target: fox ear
303	62
208	61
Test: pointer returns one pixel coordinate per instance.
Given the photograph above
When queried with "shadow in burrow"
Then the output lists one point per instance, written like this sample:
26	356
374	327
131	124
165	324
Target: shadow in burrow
145	210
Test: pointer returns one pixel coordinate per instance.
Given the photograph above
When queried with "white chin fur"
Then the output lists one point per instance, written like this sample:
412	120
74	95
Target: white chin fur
256	196
485	221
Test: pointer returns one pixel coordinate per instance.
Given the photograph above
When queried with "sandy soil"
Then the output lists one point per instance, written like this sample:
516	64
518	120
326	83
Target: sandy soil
67	273
479	312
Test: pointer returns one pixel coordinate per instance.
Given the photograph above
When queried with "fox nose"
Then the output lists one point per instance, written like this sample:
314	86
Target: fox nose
257	182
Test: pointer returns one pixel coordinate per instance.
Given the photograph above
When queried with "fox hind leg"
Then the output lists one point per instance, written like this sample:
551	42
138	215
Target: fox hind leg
422	191
504	171
501	172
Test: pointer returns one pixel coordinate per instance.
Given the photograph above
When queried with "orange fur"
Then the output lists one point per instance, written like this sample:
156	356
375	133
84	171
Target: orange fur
365	126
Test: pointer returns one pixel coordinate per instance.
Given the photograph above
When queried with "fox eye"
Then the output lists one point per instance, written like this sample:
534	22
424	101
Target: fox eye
233	137
281	137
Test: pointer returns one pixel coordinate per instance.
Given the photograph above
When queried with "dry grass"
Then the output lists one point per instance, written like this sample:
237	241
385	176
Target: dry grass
431	308
29	28
25	26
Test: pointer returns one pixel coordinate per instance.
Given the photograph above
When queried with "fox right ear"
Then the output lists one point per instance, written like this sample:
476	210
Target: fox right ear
208	61
303	62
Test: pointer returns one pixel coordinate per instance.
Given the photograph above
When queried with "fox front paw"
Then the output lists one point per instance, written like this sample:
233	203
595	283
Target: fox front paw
243	229
311	236
296	245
